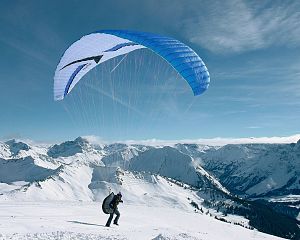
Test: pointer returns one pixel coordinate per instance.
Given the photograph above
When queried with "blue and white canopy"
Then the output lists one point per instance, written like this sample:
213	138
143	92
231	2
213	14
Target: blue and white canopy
98	47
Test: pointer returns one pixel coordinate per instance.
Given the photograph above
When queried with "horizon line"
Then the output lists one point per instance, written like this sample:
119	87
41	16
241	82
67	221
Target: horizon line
216	141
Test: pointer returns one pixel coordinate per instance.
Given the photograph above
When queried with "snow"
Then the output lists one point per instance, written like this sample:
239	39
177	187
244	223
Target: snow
4	151
255	169
213	179
59	197
84	220
22	169
218	141
153	208
287	198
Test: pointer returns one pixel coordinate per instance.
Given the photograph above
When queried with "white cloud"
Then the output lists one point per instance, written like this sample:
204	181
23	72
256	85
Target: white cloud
235	26
217	141
253	127
95	139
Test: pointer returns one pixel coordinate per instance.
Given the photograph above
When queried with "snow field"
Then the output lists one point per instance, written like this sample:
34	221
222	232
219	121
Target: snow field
84	220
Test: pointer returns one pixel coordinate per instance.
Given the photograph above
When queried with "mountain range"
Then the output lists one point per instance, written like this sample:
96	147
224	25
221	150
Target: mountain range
260	183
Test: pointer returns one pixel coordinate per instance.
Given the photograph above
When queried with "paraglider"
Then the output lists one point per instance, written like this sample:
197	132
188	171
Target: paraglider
95	48
110	206
106	202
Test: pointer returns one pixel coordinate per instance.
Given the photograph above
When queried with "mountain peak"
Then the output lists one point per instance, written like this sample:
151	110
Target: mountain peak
16	146
82	141
68	148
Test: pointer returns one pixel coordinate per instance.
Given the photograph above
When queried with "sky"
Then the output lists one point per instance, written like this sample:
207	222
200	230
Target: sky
251	49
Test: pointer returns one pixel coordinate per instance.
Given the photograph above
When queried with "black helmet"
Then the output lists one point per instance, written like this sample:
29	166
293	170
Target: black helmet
119	194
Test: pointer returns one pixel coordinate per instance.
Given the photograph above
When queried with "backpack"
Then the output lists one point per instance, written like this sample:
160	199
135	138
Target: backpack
105	205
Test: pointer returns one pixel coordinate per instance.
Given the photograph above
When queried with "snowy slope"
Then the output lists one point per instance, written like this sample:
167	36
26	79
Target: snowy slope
4	151
247	169
154	208
22	169
85	221
170	162
185	179
256	169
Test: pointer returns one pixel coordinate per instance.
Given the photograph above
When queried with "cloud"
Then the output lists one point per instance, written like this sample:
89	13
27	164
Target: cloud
21	138
236	26
95	139
264	82
217	141
253	127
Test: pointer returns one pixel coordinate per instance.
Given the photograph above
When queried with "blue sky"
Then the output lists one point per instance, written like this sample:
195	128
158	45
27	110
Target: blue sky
251	49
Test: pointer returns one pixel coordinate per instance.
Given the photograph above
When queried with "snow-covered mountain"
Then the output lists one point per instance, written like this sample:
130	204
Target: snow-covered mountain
257	169
269	173
209	180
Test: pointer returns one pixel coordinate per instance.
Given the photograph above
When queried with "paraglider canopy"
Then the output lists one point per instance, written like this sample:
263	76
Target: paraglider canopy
98	47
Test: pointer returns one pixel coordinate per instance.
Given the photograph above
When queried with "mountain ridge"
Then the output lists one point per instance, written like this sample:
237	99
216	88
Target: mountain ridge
80	170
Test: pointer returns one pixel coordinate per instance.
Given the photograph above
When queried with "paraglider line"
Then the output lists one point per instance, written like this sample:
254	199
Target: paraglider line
114	98
118	64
